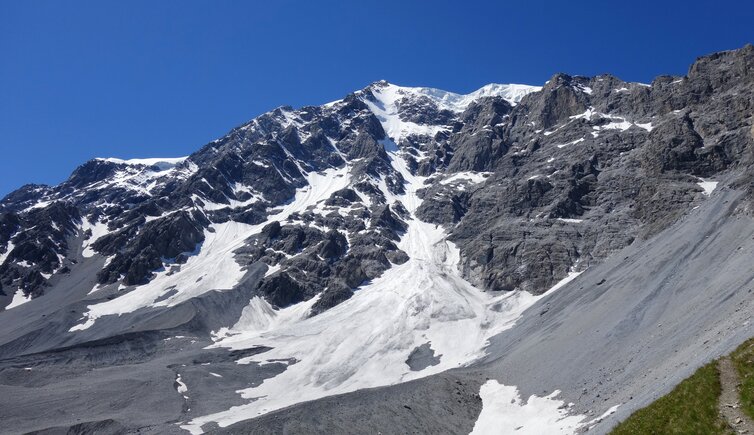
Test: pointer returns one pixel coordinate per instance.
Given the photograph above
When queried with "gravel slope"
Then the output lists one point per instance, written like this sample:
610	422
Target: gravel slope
623	333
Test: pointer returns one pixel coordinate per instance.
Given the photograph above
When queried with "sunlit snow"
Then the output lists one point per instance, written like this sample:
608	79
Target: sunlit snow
504	412
386	105
572	221
5	254
18	299
709	186
574	142
473	177
364	342
98	230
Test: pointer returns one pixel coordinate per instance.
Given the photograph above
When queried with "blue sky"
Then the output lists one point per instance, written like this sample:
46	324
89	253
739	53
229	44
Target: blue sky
84	79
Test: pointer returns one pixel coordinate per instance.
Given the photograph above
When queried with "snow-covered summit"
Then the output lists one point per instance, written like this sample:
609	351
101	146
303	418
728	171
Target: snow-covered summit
160	162
392	104
513	93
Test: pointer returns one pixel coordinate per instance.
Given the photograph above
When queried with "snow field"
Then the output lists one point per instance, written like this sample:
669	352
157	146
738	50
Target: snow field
364	342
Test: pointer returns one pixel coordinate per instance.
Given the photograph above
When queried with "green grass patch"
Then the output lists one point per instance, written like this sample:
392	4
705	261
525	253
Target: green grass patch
743	360
691	408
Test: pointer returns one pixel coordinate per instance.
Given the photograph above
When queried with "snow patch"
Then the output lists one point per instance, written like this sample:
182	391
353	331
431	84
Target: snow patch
18	299
709	186
616	122
181	387
609	412
574	142
272	269
620	124
98	230
232	203
570	277
473	177
587	114
585	89
504	412
572	221
88	322
5	254
40	204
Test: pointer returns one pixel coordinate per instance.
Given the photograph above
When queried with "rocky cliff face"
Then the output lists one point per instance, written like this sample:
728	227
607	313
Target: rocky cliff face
290	215
572	172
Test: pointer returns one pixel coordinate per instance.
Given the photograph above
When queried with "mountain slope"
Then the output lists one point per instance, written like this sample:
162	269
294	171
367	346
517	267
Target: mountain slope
390	236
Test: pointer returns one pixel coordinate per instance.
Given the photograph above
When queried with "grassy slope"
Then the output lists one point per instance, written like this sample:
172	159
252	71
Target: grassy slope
691	408
743	359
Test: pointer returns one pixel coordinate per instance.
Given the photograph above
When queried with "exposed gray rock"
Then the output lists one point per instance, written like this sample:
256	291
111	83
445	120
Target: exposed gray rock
528	192
422	357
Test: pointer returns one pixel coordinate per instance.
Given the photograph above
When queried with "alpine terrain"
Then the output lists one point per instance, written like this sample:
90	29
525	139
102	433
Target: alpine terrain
521	259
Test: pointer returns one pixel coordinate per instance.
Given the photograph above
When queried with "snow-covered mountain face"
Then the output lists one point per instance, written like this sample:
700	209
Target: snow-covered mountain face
370	241
291	180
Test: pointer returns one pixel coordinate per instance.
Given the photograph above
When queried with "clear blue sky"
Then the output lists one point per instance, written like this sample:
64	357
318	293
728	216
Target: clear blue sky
84	79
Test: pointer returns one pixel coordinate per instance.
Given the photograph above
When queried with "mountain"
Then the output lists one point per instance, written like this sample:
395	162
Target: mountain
401	260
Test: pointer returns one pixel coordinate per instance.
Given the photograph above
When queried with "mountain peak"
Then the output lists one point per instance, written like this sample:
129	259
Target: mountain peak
512	92
162	162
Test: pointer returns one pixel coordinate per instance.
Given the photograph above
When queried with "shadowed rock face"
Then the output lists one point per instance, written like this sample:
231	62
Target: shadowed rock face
528	189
